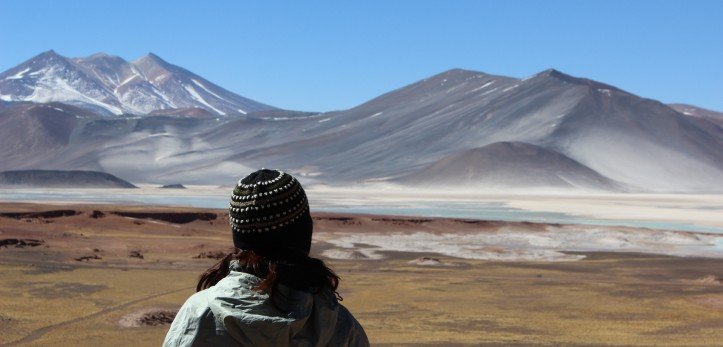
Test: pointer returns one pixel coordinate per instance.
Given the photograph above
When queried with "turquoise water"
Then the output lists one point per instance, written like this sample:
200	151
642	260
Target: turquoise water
114	197
433	208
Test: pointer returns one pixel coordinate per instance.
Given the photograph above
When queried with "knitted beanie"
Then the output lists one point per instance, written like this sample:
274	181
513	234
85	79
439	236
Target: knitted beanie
269	213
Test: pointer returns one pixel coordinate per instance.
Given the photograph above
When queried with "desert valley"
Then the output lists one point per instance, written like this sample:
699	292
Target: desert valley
546	210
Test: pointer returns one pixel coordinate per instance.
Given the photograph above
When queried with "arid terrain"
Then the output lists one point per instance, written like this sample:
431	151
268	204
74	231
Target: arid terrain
90	275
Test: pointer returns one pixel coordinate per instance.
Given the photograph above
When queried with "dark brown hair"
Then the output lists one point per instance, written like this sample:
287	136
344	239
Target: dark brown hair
300	272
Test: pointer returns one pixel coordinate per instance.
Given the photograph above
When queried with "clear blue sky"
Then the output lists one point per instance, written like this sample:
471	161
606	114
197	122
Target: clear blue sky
326	55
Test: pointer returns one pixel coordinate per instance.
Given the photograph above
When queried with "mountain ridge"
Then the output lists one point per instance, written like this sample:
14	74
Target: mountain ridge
111	85
606	129
636	142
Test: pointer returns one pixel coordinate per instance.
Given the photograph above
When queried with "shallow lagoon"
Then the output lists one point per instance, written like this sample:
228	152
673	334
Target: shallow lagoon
320	201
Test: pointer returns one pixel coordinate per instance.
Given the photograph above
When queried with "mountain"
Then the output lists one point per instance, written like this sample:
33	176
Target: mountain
508	164
572	132
112	86
30	132
636	141
61	179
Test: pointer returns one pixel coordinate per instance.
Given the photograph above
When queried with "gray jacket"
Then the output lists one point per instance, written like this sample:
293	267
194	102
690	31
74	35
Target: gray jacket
231	313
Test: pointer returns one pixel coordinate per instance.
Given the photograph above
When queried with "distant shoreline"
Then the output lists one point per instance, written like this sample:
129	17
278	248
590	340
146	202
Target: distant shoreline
686	212
372	235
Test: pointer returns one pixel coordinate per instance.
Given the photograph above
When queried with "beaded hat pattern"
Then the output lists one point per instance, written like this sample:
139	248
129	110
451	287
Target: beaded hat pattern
266	205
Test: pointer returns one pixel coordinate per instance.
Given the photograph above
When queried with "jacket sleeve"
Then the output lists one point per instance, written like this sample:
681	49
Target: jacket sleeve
194	325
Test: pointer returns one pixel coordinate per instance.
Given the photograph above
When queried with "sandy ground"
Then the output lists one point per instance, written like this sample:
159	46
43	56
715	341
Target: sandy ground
87	275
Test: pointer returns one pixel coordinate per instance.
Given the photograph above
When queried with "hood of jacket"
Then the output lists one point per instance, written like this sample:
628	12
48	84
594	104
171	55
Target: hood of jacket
249	317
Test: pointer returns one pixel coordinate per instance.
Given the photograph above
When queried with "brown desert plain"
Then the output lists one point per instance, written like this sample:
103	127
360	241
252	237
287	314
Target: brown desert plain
111	275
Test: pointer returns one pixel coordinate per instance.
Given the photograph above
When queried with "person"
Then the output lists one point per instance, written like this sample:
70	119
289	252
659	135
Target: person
268	292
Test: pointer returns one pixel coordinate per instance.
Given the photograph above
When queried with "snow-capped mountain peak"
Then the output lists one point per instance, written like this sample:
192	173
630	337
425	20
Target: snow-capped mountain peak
112	85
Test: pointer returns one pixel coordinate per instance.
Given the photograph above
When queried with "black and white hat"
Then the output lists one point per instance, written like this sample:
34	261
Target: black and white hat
269	211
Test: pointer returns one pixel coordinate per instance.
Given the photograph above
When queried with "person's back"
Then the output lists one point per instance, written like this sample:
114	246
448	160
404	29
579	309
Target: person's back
269	292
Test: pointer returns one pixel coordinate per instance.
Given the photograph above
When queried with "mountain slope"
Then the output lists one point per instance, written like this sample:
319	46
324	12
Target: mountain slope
636	141
619	137
31	134
699	112
111	85
690	110
505	165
